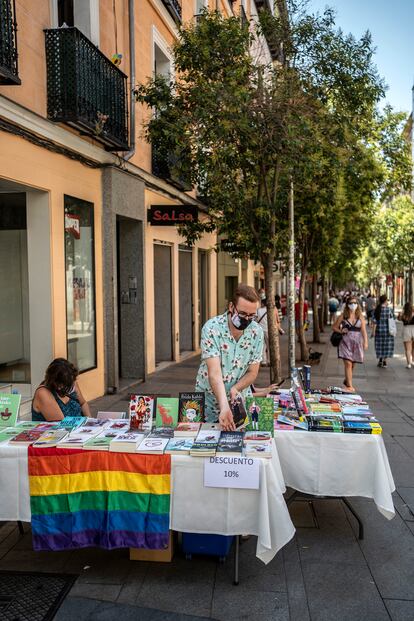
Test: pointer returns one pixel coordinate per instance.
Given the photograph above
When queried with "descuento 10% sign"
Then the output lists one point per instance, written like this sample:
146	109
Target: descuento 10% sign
237	472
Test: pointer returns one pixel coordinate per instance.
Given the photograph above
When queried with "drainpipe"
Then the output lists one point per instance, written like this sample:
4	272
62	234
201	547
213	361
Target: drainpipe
131	13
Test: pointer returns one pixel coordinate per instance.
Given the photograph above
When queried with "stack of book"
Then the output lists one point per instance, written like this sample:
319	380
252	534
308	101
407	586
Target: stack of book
258	444
127	442
206	442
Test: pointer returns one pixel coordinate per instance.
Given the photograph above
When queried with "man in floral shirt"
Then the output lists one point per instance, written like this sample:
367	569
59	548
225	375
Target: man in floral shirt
231	352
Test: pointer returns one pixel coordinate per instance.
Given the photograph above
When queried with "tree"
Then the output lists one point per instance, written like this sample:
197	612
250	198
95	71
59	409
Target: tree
241	130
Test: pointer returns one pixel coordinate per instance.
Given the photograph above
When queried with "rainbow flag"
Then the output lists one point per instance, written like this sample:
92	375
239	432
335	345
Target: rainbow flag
85	498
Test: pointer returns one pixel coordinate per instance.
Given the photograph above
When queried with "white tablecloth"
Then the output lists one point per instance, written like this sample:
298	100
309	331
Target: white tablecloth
194	508
333	464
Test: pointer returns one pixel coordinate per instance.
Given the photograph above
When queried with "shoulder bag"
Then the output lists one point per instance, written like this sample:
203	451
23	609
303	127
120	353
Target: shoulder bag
392	325
336	338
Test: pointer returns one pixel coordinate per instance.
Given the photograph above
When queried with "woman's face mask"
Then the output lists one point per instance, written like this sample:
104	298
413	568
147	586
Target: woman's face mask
352	306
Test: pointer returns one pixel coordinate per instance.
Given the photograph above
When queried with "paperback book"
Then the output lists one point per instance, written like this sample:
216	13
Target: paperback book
153	446
187	430
9	409
102	441
238	409
206	443
50	438
179	446
71	422
293	421
127	442
325	424
360	427
259	449
7	433
230	443
141	411
257	436
26	424
26	437
260	414
166	412
162	432
191	407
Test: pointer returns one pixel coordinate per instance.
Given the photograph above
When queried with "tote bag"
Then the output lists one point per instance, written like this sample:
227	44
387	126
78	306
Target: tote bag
392	326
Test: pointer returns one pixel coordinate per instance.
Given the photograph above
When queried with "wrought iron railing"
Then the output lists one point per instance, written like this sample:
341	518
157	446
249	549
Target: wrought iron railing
166	166
85	89
8	44
174	9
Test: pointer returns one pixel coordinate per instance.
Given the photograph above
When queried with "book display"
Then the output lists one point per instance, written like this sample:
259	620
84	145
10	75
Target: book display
141	411
9	409
191	407
230	443
179	446
260	412
166	412
127	442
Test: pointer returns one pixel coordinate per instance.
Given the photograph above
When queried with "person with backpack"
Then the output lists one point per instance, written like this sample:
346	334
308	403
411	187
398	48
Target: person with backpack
333	305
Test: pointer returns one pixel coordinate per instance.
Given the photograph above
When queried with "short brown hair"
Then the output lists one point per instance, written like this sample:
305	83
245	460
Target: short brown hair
246	292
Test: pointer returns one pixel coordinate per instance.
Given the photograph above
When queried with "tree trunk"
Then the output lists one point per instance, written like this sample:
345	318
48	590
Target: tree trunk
325	297
321	307
272	325
304	352
315	309
410	285
393	292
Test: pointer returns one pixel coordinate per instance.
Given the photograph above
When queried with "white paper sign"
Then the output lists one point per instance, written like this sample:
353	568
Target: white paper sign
238	472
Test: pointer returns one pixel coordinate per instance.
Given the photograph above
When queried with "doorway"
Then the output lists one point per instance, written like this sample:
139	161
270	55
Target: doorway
202	289
130	299
163	303
186	298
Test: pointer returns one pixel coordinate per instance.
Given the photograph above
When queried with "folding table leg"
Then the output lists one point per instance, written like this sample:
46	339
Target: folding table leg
20	526
356	516
236	560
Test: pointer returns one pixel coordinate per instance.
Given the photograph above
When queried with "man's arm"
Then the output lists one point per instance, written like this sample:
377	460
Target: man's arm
215	379
246	380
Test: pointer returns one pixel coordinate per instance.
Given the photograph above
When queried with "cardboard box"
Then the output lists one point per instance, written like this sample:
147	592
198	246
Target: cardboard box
155	556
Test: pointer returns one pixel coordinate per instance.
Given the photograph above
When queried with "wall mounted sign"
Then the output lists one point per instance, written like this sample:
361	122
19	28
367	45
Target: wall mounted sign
171	215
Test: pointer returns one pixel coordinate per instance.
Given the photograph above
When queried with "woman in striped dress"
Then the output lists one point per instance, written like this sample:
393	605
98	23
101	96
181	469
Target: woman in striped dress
384	341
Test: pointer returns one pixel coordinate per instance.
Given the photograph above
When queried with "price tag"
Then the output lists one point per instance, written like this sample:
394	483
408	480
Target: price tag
238	472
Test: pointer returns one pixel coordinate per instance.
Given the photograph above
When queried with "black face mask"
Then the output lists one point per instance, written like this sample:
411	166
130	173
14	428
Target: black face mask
240	323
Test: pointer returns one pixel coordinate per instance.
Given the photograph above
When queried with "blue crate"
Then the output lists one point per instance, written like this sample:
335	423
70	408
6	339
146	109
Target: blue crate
209	545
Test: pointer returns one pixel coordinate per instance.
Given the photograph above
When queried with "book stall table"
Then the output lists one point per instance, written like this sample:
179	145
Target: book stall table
337	465
194	508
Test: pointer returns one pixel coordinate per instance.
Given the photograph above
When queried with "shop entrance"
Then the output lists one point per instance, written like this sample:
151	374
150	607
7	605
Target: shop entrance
202	289
163	303
130	299
186	298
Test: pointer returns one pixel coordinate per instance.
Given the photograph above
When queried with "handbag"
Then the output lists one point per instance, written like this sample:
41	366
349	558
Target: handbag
392	326
336	338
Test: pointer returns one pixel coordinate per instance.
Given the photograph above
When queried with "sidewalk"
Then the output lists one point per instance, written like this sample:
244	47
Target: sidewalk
325	573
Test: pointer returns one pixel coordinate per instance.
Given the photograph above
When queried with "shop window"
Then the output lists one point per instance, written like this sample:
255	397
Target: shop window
80	283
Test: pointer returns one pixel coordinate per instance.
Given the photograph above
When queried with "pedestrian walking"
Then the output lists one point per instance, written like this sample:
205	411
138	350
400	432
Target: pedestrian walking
333	305
370	305
351	324
407	318
384	340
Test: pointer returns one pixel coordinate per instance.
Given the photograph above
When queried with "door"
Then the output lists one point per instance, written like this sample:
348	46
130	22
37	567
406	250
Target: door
163	303
14	290
202	288
130	298
186	299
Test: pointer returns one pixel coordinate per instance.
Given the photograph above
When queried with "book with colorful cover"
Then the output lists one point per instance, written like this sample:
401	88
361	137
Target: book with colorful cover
141	411
259	449
153	446
283	426
71	422
361	427
179	446
95	423
230	443
257	436
206	443
360	418
26	424
118	426
50	438
9	409
293	420
187	430
7	433
26	437
191	407
162	432
166	412
102	441
260	414
328	424
127	442
238	409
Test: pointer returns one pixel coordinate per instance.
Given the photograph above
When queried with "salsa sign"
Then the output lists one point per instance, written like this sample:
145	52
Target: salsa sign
170	215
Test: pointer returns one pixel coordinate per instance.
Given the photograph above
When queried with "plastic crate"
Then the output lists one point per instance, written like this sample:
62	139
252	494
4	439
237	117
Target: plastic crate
209	545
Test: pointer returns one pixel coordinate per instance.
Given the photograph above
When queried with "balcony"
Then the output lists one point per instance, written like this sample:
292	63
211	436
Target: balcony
85	89
166	166
8	44
174	9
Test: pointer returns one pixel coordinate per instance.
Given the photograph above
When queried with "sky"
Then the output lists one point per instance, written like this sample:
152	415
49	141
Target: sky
391	23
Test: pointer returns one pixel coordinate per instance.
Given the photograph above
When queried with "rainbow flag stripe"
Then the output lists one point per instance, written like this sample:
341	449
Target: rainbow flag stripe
100	499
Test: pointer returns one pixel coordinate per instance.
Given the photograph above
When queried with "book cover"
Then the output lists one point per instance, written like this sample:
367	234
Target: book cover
162	432
118	425
291	420
283	426
257	436
26	437
71	422
102	441
166	412
359	427
50	438
260	414
260	449
179	446
7	433
238	409
141	411
9	409
94	423
206	442
230	442
187	430
329	424
191	407
26	424
154	446
127	442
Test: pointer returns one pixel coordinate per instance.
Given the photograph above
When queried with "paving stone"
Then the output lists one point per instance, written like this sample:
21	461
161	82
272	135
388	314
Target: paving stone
343	592
104	592
401	505
400	610
298	602
407	443
403	473
235	603
388	547
398	428
396	452
301	514
28	560
407	494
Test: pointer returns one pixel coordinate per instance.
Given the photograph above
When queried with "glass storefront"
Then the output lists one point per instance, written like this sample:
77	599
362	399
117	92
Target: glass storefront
80	283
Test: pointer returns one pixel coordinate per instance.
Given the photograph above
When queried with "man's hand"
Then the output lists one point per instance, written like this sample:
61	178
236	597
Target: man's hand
233	393
226	420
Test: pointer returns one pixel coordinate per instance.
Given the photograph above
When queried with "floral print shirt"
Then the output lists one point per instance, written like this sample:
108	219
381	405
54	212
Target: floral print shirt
235	357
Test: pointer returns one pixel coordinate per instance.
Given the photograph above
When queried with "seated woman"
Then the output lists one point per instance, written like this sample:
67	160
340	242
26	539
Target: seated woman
59	395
